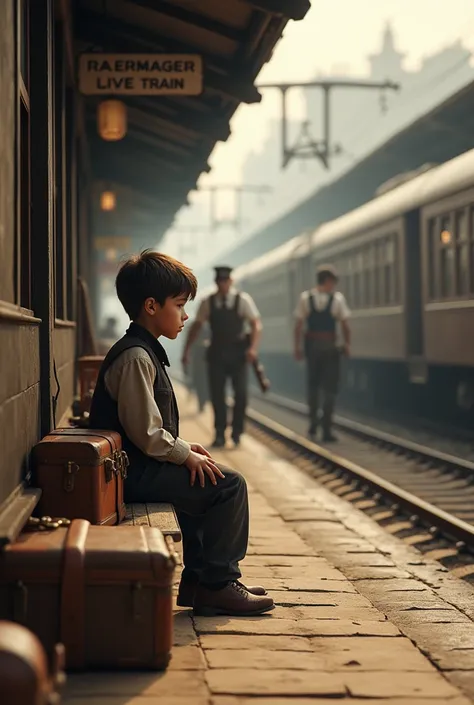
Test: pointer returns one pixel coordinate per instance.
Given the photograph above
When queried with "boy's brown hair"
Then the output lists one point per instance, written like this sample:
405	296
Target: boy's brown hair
152	275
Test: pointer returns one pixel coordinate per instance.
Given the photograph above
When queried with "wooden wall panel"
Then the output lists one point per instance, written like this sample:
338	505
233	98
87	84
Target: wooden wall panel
19	401
7	150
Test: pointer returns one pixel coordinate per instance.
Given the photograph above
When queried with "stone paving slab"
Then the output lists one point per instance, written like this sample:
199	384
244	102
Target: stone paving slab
241	681
141	700
346	657
239	642
325	612
325	642
293	627
232	700
333	599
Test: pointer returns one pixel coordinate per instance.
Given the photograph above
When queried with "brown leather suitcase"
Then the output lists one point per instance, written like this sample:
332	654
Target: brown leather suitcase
104	592
25	678
81	474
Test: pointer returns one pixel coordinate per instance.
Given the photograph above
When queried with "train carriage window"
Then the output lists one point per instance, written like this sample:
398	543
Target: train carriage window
349	289
342	272
358	277
461	226
432	250
462	253
387	274
447	258
367	277
392	253
471	247
471	250
376	275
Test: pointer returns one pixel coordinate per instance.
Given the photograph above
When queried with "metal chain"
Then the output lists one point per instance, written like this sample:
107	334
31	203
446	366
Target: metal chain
46	523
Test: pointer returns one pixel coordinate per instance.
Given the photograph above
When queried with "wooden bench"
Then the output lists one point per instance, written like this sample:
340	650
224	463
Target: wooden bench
159	515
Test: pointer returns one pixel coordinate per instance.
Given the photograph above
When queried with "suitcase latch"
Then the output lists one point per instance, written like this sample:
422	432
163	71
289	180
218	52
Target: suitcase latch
71	470
124	464
110	469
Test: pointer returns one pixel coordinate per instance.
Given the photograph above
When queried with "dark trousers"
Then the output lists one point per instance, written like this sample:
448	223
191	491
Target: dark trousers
214	520
322	385
221	368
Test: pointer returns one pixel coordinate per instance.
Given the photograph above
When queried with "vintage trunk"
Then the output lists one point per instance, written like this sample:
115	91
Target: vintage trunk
81	475
104	592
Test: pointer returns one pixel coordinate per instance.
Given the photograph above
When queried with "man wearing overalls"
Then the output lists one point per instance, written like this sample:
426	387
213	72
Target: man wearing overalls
317	314
235	326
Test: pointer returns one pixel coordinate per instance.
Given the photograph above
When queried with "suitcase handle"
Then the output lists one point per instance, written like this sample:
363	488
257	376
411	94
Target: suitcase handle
72	615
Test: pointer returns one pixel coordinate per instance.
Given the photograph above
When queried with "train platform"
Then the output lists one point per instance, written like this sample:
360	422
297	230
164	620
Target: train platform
358	618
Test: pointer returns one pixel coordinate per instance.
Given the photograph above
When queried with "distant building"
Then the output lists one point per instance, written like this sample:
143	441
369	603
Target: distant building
388	63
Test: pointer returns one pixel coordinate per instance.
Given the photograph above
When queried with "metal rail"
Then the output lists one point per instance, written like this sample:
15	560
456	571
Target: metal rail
435	518
390	440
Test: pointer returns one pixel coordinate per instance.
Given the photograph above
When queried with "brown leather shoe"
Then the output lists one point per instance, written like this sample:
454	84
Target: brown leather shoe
187	590
232	600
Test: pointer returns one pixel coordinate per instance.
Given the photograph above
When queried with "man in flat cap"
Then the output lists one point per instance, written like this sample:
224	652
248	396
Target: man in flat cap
235	327
317	315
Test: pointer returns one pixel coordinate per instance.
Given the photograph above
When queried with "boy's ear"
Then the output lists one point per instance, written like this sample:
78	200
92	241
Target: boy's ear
150	306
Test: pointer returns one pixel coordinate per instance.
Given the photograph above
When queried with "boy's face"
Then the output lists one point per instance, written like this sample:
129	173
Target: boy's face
167	320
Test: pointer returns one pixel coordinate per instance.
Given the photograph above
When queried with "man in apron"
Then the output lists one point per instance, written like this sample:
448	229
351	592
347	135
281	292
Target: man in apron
231	314
317	313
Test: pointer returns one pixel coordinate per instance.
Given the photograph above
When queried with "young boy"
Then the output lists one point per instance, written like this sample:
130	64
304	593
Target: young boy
135	397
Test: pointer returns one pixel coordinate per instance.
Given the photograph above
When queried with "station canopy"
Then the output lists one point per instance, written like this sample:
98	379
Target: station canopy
174	118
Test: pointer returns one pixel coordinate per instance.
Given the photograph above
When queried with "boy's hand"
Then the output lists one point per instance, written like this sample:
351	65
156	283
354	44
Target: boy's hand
200	465
198	448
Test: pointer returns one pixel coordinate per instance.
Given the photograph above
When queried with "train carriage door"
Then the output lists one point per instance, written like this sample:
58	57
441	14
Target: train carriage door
413	296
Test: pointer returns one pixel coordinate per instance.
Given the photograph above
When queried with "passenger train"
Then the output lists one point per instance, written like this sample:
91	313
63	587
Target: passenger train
406	265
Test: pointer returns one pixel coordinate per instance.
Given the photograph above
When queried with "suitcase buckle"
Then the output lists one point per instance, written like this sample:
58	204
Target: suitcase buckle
124	465
71	470
110	469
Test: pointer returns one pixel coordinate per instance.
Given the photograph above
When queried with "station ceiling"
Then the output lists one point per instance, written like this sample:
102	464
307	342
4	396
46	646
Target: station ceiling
169	139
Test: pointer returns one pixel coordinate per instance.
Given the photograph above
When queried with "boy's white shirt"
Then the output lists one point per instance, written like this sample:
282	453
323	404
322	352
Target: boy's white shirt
129	381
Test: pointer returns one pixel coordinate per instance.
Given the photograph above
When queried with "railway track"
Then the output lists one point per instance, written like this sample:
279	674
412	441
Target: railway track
422	495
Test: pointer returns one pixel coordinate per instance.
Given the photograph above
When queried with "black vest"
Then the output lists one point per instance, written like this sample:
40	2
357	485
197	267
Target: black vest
104	409
320	321
226	324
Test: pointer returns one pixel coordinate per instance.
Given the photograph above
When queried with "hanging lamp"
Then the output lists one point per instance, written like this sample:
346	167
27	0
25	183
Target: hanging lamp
108	201
112	120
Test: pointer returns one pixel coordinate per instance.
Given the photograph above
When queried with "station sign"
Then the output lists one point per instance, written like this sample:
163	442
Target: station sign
140	74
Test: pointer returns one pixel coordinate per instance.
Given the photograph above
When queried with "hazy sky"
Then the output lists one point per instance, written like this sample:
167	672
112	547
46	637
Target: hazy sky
335	36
